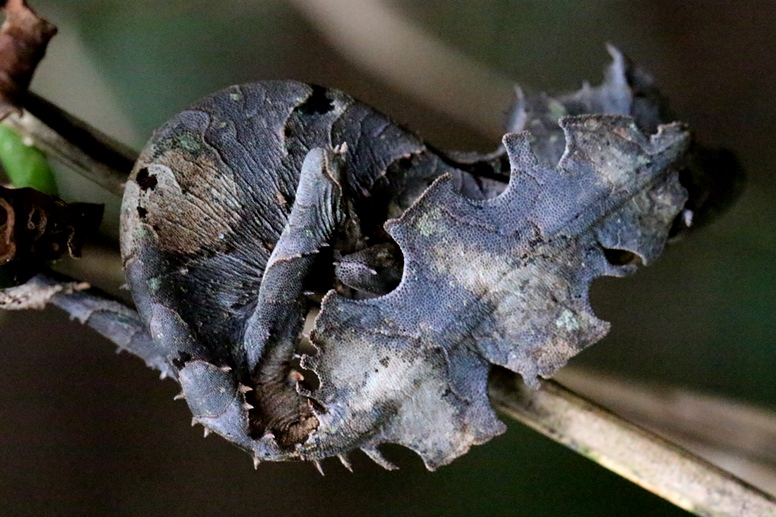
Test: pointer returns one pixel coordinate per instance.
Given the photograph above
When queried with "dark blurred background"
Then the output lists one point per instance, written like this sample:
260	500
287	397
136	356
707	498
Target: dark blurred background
84	431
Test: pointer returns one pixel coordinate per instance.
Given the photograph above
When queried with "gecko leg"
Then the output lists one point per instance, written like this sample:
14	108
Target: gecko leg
112	319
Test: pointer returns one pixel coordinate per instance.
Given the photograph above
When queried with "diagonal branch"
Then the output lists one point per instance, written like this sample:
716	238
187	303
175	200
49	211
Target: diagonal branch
739	436
635	454
653	463
75	143
553	410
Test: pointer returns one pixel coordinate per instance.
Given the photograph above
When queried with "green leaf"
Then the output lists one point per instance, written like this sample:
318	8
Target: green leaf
25	165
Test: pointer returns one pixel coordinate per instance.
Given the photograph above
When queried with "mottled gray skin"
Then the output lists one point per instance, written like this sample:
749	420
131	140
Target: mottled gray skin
502	281
240	205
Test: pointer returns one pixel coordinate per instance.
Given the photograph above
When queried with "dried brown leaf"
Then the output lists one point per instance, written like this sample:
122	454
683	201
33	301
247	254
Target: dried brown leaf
23	40
36	227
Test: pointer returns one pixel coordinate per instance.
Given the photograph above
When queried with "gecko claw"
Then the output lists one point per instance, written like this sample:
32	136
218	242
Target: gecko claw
345	462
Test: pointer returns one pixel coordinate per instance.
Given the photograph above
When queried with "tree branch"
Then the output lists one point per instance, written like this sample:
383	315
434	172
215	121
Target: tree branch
635	454
717	428
67	139
557	412
652	462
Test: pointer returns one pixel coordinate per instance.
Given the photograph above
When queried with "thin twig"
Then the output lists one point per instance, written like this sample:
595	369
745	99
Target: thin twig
711	420
635	454
86	150
87	138
735	435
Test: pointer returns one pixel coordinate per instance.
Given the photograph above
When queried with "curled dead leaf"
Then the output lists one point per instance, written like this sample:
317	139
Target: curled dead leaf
36	227
23	40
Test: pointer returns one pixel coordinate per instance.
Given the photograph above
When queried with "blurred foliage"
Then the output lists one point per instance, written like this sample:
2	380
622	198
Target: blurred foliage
102	436
25	165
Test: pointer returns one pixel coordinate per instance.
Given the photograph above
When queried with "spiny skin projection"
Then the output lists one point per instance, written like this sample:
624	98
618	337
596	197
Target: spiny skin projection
260	194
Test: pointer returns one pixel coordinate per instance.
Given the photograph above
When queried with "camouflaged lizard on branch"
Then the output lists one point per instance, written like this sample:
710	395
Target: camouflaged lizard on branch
265	201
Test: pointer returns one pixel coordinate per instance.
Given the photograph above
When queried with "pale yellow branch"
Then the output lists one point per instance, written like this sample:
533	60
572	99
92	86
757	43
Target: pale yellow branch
735	435
630	451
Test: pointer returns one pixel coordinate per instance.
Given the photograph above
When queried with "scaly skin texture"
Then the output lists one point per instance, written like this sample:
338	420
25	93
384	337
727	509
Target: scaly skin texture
257	196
